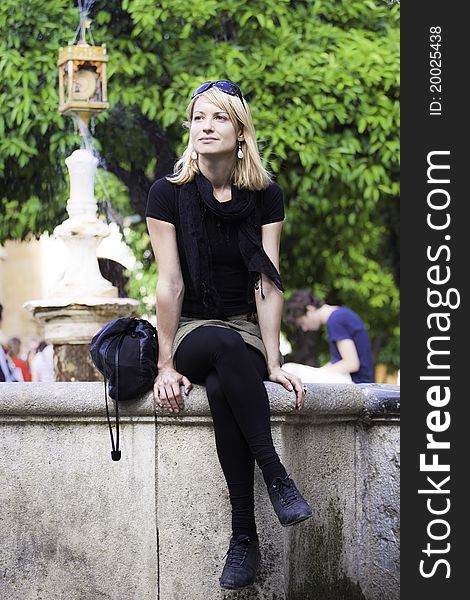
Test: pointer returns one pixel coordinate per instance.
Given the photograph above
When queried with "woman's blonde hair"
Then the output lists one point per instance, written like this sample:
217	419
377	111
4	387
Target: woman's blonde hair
249	171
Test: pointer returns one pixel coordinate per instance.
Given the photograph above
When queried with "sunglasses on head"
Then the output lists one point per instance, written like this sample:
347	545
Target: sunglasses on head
228	87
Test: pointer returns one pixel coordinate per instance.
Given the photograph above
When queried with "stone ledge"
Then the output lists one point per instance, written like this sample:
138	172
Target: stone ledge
381	399
69	510
87	399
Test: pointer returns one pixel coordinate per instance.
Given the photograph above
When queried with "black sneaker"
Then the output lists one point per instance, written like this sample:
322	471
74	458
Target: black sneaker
290	506
241	566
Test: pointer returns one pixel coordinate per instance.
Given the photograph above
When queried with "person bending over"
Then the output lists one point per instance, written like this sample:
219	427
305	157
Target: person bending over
347	335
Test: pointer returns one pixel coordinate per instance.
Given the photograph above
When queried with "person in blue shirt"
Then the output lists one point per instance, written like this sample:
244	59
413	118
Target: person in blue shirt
347	335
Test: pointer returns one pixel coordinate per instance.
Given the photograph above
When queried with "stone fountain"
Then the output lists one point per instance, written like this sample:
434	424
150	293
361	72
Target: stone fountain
82	301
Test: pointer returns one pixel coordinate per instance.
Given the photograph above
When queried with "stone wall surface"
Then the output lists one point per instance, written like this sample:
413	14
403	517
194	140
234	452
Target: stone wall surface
76	526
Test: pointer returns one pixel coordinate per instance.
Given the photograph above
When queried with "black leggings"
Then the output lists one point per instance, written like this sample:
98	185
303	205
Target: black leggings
233	374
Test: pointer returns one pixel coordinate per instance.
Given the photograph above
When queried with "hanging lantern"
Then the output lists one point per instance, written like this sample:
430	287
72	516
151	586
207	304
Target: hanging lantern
82	78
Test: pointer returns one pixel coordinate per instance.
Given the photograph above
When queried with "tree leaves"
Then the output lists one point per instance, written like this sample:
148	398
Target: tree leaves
323	86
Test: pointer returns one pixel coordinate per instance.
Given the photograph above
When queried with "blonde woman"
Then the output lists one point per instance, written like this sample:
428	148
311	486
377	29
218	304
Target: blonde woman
215	227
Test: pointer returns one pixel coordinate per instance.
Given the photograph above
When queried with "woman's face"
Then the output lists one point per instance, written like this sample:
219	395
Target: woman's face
211	132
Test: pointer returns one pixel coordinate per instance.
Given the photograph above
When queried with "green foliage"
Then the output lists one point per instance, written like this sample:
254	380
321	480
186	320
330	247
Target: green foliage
34	138
321	77
144	275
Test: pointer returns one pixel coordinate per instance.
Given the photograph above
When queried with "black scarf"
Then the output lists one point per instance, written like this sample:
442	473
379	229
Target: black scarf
197	197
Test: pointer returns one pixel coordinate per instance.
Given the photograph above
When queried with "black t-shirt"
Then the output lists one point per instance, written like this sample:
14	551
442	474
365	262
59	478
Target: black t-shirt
230	275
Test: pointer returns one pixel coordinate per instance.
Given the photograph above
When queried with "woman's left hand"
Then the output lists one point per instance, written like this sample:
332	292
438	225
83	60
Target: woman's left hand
290	382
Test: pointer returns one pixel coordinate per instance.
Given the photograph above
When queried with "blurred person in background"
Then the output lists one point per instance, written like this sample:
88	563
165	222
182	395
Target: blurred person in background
13	350
348	339
42	364
3	339
8	372
33	344
7	368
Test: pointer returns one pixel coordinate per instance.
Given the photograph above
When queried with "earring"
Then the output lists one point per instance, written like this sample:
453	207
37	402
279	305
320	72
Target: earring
194	155
240	151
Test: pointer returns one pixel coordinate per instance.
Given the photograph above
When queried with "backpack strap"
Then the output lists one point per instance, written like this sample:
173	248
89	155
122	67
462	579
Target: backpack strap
115	452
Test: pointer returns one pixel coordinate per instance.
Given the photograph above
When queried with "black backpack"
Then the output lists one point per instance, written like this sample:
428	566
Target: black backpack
125	351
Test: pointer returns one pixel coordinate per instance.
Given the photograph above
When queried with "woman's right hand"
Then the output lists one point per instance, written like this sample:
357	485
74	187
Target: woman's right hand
167	389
